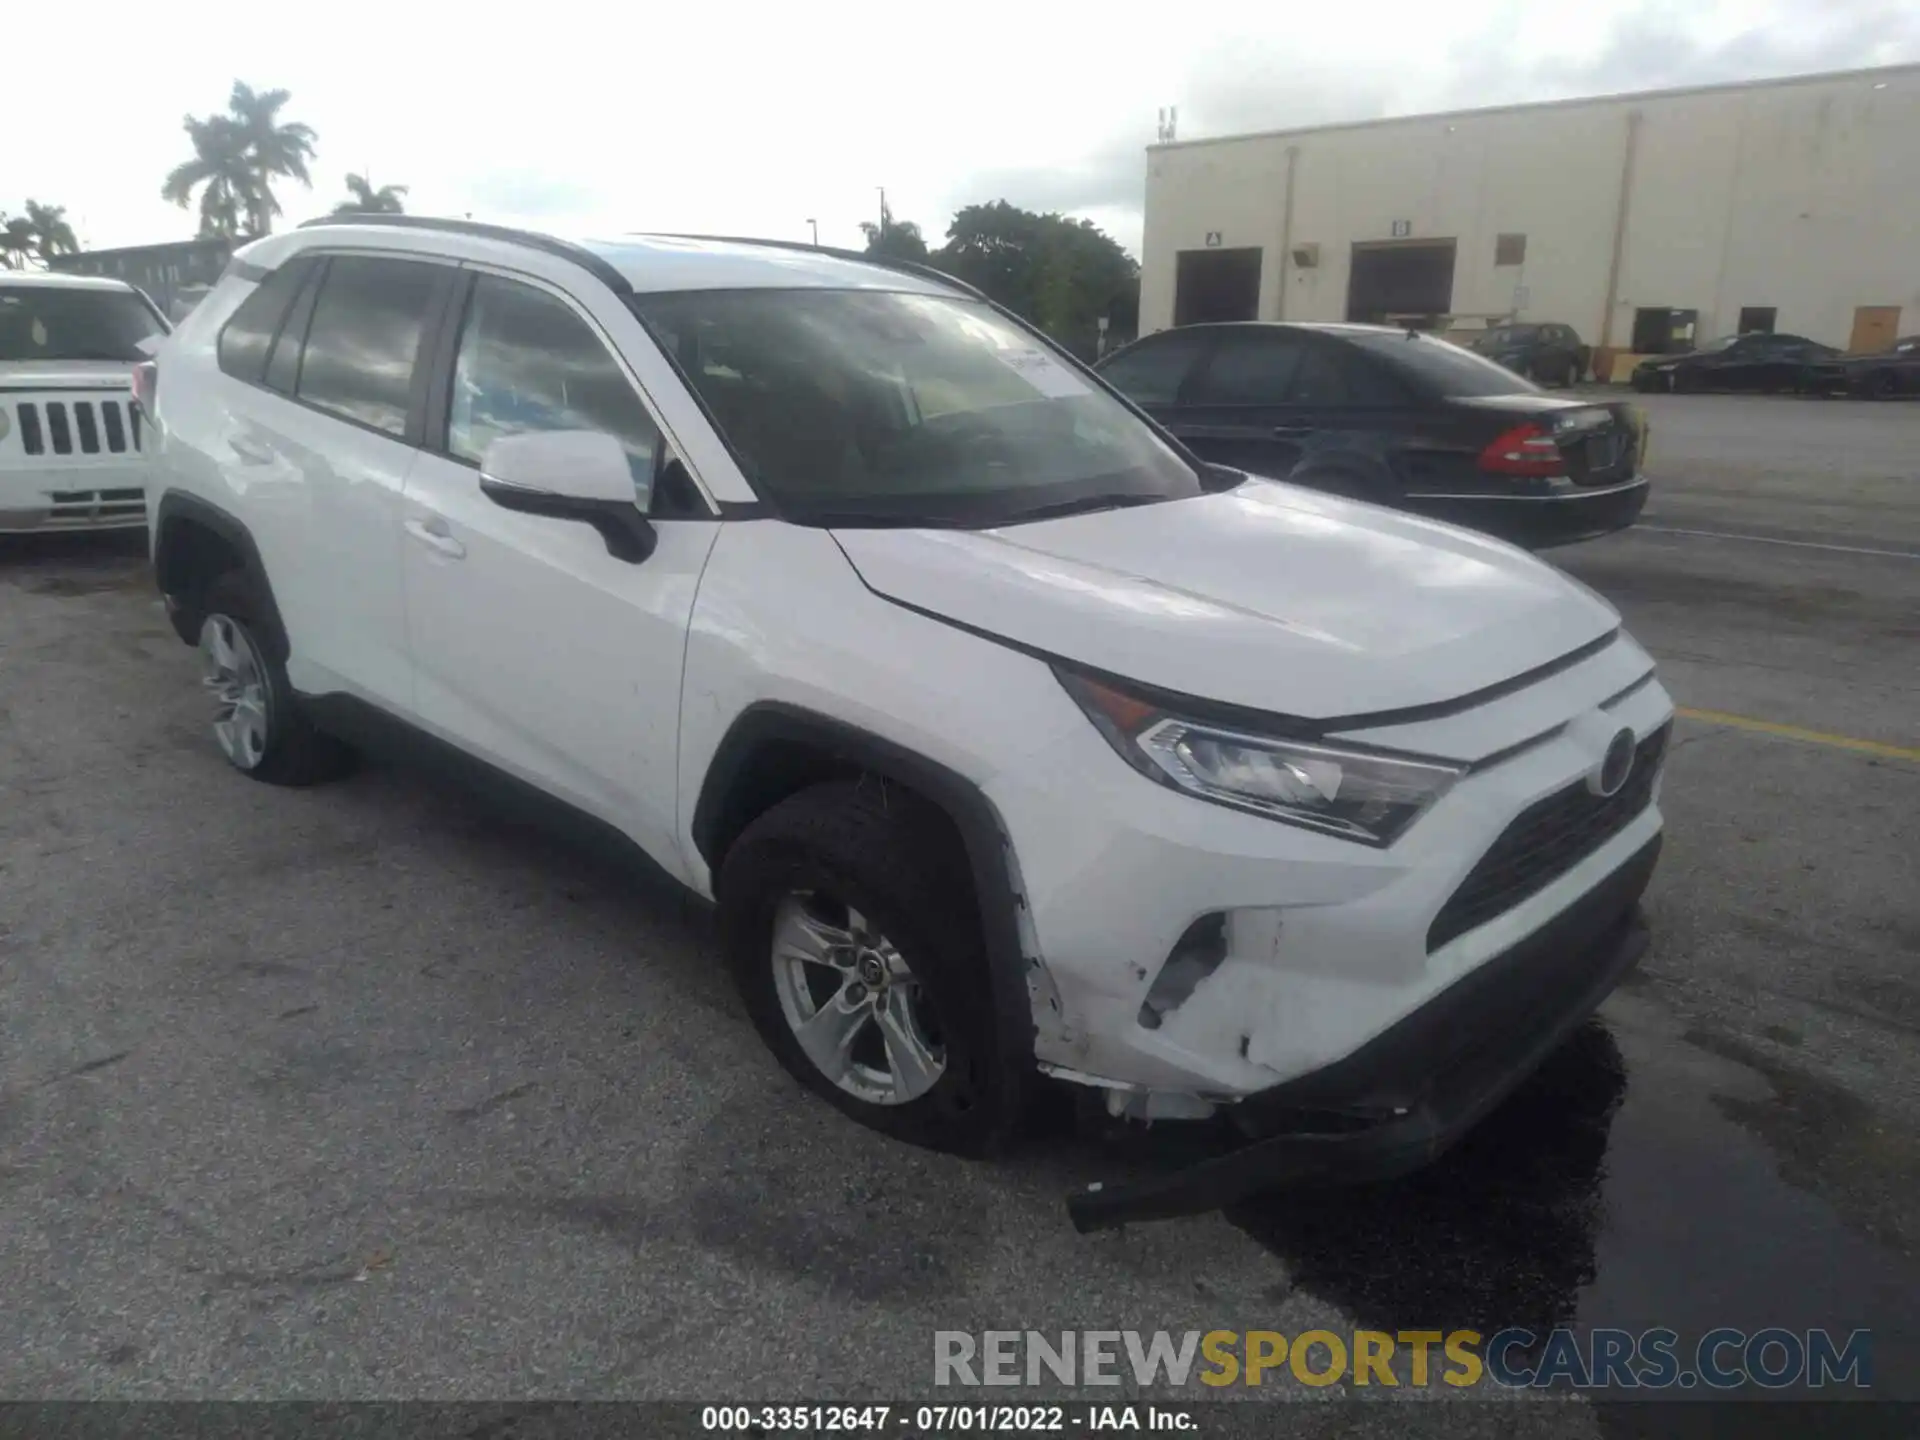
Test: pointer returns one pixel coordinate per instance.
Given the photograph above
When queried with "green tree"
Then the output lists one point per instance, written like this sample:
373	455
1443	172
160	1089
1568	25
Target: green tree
274	149
236	159
894	239
219	171
16	242
363	199
1061	274
52	235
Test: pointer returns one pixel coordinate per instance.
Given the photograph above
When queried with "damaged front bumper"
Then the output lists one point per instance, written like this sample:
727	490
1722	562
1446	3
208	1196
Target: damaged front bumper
1405	1096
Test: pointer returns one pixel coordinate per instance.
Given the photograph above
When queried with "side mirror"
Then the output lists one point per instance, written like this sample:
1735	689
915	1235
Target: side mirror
581	475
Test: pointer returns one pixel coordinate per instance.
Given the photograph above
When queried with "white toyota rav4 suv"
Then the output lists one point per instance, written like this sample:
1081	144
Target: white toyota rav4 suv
1005	735
70	442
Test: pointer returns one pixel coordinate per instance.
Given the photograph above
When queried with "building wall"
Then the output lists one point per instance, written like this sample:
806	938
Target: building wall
1802	195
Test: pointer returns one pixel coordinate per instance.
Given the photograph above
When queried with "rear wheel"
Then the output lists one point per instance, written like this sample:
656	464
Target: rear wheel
1880	385
859	956
257	722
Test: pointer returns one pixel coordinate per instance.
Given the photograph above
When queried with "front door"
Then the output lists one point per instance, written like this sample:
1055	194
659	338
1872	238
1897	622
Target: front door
533	647
1874	329
1236	410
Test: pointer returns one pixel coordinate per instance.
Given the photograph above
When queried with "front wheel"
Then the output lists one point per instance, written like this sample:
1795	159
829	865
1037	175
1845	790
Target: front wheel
856	946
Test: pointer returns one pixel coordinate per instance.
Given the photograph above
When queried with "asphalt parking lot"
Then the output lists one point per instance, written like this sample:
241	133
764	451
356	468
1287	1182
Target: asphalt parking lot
369	1092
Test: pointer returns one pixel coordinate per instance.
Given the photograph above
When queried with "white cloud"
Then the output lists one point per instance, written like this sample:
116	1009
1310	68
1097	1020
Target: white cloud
749	121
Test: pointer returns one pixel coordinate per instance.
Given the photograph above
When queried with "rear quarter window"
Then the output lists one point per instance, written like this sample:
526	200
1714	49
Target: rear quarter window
248	334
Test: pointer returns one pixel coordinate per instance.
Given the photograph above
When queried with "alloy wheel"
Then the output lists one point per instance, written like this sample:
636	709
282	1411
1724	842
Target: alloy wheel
853	1002
232	669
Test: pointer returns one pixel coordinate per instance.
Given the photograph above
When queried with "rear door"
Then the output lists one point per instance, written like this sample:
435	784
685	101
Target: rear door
323	450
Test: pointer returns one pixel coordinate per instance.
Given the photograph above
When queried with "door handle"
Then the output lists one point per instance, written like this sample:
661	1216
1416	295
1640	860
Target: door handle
250	451
1291	432
433	534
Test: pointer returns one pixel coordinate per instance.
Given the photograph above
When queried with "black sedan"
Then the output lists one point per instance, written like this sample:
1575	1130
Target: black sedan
1540	350
1754	362
1881	376
1394	417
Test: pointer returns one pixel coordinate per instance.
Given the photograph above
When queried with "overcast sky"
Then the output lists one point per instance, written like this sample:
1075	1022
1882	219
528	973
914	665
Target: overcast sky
751	119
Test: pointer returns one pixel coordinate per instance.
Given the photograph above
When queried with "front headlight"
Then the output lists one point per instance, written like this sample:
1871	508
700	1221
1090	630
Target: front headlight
1354	794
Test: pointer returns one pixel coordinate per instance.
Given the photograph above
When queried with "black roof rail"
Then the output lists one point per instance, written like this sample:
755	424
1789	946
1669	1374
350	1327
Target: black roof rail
884	262
601	269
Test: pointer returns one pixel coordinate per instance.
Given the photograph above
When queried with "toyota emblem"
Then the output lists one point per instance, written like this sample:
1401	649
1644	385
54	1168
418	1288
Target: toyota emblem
1615	766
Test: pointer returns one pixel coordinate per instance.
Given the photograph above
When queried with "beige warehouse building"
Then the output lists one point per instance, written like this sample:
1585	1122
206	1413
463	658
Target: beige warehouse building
1647	222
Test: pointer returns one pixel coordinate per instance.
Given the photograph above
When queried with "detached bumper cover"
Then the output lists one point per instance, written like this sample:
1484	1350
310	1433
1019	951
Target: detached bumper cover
1407	1095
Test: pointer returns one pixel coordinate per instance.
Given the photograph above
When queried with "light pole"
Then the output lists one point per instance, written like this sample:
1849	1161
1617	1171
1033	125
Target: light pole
816	231
883	210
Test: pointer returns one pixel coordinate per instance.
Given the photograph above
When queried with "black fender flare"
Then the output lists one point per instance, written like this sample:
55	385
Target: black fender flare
717	820
177	508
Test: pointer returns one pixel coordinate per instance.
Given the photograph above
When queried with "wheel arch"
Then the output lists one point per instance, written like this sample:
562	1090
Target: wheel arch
773	750
194	543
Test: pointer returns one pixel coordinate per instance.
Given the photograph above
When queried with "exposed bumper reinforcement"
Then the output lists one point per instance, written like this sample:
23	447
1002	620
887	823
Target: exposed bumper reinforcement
1407	1095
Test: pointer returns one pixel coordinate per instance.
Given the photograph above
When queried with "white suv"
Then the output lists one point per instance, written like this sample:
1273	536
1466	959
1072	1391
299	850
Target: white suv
70	442
1006	736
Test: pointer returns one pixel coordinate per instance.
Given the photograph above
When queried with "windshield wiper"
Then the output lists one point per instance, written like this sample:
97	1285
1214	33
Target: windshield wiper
1118	500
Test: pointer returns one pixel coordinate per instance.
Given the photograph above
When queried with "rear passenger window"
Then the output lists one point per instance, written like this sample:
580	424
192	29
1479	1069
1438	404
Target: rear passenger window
365	337
527	362
1330	378
1254	367
248	334
1151	371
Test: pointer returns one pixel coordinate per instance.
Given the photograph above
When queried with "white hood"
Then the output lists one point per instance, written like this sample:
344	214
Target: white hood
1268	596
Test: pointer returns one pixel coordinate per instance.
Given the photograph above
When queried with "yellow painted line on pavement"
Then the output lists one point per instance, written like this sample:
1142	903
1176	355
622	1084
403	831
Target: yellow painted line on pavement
1796	732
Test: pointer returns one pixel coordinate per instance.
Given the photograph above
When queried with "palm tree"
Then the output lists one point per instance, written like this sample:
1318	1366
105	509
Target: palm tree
236	159
368	201
219	169
274	150
16	243
52	235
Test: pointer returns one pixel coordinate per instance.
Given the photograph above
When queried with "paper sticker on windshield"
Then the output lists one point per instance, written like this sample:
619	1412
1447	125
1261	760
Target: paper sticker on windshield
1044	373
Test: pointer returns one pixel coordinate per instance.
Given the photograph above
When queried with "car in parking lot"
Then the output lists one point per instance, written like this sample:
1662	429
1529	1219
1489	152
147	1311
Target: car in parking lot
1396	417
1753	362
1005	733
1542	351
70	437
1884	375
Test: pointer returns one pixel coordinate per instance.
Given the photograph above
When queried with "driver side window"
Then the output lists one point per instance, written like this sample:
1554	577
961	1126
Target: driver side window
527	362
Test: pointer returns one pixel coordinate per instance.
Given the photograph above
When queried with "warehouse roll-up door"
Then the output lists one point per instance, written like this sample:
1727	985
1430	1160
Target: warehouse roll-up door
1399	278
1215	285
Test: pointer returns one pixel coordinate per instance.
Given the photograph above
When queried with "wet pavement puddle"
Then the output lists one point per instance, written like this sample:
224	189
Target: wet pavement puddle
1636	1182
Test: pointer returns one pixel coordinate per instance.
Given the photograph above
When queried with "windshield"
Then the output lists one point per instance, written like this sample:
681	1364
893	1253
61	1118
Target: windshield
1725	342
45	322
1506	335
878	407
1439	366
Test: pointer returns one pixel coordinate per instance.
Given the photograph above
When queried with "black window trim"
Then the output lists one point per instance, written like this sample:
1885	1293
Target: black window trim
444	354
307	293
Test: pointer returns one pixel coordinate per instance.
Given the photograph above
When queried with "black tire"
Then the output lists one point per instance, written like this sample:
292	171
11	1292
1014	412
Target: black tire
1881	386
884	852
293	751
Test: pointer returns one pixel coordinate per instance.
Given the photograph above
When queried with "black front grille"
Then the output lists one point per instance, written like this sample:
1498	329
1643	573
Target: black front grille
1545	841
